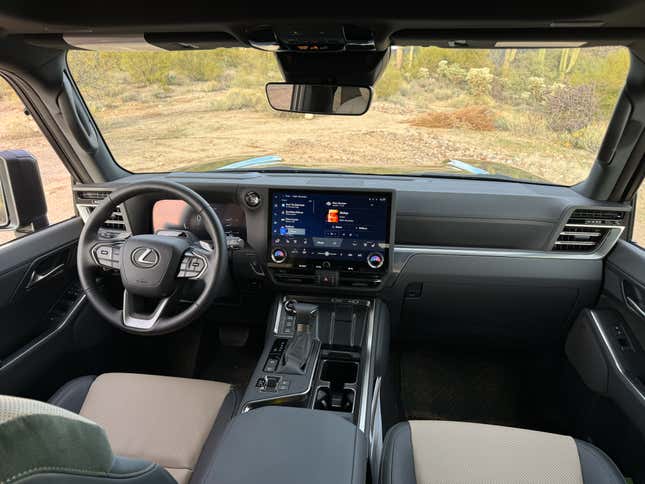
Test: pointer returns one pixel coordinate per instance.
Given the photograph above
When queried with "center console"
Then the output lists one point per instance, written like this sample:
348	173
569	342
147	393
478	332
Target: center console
316	356
313	390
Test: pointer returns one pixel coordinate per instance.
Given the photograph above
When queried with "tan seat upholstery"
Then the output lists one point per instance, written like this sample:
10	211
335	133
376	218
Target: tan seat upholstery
441	452
161	419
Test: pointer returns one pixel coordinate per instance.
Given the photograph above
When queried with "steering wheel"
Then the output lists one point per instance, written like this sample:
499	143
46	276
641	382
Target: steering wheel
153	267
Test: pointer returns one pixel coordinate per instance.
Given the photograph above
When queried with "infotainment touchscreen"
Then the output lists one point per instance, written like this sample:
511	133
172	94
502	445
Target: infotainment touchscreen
330	230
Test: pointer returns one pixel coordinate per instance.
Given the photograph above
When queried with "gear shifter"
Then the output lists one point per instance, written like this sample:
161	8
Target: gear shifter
297	352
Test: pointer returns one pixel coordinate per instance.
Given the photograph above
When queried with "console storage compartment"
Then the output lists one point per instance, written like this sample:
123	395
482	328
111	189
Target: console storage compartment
290	446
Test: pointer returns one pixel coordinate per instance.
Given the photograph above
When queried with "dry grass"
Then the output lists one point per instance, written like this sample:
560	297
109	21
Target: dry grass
480	118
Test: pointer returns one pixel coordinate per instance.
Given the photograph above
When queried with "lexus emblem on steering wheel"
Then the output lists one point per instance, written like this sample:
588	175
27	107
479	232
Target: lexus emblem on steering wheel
145	257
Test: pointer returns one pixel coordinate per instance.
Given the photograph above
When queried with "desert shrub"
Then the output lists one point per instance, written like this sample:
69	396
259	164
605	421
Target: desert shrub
536	87
237	99
570	108
453	73
588	138
197	66
479	118
390	84
442	94
147	67
499	89
479	81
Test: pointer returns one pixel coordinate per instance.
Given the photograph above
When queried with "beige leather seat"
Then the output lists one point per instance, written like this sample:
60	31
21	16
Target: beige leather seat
440	452
174	422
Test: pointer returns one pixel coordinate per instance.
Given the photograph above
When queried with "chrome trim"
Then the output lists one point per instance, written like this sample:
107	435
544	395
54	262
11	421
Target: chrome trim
276	326
617	364
634	306
367	370
45	338
375	439
37	277
142	323
603	249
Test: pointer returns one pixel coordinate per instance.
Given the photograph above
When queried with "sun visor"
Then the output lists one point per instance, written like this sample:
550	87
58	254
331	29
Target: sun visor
114	43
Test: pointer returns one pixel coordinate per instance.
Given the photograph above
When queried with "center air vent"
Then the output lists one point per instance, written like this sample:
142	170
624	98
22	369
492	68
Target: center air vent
586	229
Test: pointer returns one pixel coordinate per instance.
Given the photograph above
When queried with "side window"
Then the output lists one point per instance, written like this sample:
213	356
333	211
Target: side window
20	132
639	217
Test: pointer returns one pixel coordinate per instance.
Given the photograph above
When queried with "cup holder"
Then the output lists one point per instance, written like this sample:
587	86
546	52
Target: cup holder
337	386
336	401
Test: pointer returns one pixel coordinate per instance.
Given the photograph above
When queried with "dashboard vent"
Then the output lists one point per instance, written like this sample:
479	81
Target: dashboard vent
87	201
587	228
92	195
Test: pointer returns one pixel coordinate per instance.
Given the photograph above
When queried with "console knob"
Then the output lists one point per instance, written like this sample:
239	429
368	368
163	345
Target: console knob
252	199
278	255
375	260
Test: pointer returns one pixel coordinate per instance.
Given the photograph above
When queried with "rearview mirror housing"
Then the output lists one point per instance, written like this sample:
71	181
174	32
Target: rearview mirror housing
319	98
23	207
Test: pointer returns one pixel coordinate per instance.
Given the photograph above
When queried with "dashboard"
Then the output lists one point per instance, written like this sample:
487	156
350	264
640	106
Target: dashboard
372	232
459	257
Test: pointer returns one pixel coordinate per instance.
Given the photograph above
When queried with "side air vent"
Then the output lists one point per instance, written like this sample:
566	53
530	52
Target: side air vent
586	229
116	223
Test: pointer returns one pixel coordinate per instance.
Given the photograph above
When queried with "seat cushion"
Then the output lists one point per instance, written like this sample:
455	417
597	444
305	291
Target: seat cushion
42	443
166	420
444	452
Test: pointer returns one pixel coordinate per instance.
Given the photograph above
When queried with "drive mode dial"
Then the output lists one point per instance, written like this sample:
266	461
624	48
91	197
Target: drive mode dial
375	260
278	255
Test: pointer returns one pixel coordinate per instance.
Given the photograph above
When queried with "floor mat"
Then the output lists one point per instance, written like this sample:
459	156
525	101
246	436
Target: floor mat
464	385
230	364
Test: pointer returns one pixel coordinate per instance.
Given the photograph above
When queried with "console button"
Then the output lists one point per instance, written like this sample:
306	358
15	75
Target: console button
271	365
375	260
278	255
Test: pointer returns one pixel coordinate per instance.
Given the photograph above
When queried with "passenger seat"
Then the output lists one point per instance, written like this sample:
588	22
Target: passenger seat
441	452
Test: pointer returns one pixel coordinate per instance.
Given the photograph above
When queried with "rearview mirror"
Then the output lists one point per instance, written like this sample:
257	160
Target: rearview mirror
319	98
23	207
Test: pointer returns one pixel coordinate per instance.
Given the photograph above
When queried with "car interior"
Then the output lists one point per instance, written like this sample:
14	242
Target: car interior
259	323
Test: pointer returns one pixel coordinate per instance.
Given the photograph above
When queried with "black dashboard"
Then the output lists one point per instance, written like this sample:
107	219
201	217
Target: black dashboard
367	233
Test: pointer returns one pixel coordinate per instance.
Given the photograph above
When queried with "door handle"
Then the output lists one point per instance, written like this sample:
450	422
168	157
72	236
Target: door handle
635	307
37	277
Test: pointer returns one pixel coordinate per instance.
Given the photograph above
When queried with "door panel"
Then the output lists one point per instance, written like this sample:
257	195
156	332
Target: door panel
38	292
606	348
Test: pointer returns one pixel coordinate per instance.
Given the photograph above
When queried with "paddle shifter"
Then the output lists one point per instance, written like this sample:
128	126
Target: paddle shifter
296	354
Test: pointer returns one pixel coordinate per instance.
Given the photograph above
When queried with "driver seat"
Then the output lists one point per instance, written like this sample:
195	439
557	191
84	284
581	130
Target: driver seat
173	422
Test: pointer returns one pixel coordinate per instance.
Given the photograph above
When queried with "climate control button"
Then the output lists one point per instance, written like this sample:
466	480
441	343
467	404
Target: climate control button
375	260
278	255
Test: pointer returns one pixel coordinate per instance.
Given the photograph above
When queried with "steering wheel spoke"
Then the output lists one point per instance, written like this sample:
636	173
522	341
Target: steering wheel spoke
143	321
107	254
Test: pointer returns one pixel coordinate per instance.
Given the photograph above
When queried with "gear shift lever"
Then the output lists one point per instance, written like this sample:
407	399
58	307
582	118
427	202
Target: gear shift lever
297	352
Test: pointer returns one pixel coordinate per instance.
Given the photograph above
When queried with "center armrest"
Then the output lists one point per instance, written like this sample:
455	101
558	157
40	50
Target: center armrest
289	445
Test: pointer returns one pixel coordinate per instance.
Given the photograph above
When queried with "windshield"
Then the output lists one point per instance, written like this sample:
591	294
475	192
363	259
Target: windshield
529	114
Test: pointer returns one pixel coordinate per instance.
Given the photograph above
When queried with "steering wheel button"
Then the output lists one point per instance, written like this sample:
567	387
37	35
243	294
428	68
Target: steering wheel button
104	252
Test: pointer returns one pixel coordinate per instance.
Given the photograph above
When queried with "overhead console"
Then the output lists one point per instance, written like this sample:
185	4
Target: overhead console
330	238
